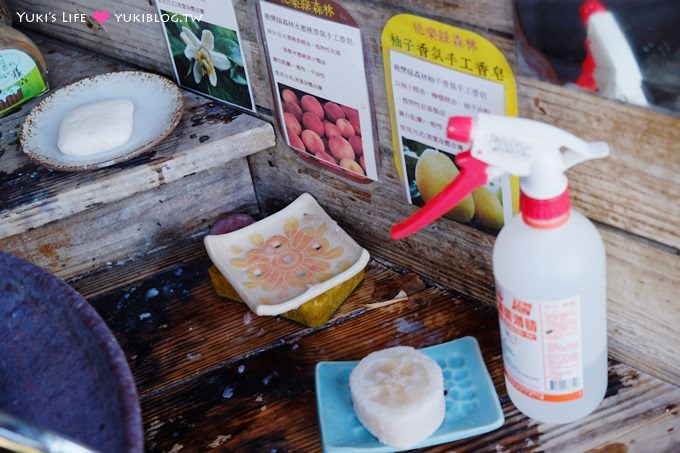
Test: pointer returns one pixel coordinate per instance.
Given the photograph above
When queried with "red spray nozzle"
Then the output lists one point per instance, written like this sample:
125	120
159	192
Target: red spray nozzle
590	7
460	128
472	175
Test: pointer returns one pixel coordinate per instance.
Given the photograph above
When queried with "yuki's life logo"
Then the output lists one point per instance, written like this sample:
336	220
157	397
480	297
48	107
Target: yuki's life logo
154	17
101	16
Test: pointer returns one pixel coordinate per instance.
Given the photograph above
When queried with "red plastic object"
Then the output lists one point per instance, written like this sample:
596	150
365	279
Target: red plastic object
545	213
472	175
460	128
587	78
590	7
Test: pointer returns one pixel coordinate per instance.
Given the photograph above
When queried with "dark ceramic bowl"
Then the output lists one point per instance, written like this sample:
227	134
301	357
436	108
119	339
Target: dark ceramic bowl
60	366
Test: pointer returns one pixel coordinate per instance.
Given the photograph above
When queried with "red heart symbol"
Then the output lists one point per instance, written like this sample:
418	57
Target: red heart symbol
100	16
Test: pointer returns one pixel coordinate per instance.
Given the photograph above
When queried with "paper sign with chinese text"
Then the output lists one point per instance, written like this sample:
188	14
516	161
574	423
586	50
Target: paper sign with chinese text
316	59
205	49
434	71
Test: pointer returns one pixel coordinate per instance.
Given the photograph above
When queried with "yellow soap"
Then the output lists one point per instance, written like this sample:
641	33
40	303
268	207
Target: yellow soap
312	313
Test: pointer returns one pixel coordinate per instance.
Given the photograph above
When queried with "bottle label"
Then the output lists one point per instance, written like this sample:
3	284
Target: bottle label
20	79
542	346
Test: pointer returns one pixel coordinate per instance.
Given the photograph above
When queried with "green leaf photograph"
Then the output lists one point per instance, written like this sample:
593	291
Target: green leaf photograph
208	59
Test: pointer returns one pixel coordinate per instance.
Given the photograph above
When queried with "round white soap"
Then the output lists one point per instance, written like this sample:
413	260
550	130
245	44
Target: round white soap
398	395
96	127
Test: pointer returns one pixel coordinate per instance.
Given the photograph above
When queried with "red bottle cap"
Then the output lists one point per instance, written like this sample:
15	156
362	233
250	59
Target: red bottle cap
545	214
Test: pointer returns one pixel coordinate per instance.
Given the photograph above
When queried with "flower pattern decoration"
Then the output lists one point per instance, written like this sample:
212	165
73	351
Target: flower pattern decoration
301	257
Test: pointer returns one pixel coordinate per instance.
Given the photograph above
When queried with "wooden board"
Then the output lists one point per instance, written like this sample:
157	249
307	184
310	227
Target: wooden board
635	189
120	232
643	313
212	376
643	276
177	326
208	136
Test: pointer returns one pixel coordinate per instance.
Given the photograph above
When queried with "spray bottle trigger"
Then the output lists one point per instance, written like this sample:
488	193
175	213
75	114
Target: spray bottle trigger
592	150
473	174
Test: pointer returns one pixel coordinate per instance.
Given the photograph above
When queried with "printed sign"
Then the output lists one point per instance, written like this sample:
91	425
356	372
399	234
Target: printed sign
316	60
205	48
434	71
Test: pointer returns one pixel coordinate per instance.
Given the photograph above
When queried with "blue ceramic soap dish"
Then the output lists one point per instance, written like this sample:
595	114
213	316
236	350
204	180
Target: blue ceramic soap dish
472	405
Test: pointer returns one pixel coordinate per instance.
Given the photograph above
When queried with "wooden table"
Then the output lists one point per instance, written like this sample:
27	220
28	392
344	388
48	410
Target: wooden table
213	376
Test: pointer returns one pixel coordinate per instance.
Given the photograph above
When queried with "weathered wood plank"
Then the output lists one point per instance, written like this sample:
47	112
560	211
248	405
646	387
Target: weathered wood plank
634	190
643	276
186	346
128	229
255	413
643	417
643	310
174	325
637	187
208	136
122	275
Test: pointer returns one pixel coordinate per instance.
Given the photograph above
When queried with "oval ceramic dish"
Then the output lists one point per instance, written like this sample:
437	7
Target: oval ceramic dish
60	366
287	259
158	109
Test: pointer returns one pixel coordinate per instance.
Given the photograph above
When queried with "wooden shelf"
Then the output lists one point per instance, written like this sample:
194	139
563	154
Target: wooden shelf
185	346
210	139
128	238
632	195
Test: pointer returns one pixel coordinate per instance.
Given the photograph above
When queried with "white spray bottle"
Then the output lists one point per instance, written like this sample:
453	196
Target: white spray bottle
610	66
548	262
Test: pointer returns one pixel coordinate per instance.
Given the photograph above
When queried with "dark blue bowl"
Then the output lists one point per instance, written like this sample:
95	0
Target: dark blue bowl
60	366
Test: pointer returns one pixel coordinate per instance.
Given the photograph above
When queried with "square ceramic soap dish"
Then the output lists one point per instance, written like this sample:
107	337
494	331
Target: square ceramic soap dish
289	258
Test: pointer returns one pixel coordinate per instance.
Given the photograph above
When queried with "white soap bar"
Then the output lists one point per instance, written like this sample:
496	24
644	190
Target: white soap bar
398	395
96	127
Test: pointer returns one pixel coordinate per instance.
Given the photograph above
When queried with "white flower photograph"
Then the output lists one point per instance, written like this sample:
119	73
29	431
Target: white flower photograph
208	59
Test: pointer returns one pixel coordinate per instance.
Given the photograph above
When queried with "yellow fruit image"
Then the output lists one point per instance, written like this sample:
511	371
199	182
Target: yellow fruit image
495	188
488	209
434	171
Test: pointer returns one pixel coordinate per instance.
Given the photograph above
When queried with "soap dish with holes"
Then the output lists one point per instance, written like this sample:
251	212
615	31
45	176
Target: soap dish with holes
287	259
472	405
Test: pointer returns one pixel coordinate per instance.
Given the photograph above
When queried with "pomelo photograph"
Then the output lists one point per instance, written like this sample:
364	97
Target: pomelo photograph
430	170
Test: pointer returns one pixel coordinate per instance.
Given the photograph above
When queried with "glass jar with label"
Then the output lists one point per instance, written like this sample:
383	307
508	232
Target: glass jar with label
23	71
